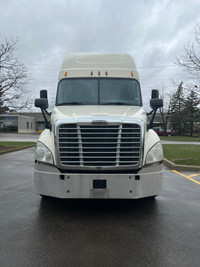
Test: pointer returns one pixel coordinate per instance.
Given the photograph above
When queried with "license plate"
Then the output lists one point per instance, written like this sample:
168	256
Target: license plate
99	183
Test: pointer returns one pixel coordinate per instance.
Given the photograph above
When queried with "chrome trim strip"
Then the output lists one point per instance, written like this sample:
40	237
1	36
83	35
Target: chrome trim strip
80	145
118	145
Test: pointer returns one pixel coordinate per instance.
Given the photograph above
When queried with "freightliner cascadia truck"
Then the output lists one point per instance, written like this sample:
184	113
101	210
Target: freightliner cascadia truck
97	142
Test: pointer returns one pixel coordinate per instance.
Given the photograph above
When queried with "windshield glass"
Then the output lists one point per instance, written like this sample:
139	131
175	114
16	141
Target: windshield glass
102	91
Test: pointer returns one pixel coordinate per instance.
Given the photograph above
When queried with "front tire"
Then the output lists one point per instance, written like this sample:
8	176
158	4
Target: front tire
46	197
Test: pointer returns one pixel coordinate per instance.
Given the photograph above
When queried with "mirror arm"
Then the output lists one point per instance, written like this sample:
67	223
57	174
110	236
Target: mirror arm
48	113
150	112
150	126
47	123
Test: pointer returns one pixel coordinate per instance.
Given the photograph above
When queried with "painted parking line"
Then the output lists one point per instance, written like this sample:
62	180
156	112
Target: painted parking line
188	176
193	175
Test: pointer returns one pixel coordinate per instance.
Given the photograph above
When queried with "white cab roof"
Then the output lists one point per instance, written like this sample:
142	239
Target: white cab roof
98	65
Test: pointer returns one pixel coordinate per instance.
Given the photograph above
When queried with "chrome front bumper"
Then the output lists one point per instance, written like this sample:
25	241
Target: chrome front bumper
50	181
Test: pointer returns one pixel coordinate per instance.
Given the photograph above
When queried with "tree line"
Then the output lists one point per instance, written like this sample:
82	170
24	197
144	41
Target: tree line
182	114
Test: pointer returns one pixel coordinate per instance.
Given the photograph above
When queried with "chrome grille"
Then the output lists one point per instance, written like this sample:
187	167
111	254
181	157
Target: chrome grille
99	145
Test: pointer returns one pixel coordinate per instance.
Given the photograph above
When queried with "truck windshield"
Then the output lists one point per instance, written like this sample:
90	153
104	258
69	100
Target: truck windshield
98	91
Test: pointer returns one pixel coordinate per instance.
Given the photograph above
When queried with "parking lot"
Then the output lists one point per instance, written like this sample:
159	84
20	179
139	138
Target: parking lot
146	232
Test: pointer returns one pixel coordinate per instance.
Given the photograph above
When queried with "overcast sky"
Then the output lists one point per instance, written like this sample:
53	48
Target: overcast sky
152	31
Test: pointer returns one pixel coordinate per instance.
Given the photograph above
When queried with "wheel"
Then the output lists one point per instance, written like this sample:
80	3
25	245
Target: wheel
46	197
152	197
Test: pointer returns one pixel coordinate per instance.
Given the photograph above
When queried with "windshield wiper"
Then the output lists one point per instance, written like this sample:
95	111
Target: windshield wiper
70	103
114	103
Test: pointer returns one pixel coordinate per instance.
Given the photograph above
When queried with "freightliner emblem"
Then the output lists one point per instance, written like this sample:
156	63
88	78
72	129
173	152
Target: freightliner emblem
99	122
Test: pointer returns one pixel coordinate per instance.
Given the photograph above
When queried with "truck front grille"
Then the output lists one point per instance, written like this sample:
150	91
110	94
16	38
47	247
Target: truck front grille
99	145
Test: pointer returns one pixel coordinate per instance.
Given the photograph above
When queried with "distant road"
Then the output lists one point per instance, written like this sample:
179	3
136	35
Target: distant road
180	142
19	137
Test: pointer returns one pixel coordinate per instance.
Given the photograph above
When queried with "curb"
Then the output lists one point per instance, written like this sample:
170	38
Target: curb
177	167
16	149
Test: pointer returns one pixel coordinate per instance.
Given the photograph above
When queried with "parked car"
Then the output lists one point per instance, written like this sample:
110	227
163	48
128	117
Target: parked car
161	132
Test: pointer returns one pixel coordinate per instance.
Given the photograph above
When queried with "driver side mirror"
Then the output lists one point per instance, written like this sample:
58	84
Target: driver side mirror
154	94
41	103
155	101
43	94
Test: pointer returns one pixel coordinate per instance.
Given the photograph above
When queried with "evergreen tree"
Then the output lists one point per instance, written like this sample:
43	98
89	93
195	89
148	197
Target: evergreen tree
192	113
177	118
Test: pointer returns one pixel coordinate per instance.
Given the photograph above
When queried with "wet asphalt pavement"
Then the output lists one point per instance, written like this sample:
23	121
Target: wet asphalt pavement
36	232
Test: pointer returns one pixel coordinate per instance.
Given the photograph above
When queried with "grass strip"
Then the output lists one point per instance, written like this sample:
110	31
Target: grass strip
183	154
13	146
180	138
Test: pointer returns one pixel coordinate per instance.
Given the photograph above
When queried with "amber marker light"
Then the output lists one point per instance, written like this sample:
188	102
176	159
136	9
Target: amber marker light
65	74
132	73
99	73
106	73
91	73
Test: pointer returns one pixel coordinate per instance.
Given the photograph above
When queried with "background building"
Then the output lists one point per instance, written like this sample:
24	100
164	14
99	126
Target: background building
17	123
31	122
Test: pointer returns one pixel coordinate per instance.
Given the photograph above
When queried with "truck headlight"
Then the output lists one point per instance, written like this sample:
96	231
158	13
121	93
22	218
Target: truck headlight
42	153
155	154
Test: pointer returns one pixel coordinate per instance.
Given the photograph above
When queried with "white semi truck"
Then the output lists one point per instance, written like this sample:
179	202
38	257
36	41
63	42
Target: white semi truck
98	142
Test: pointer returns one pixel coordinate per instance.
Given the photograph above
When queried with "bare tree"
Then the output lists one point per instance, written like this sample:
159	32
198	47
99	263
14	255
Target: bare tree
165	112
13	79
190	60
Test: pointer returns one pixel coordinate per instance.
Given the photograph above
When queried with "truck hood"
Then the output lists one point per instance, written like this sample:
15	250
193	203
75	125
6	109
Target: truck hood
73	112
